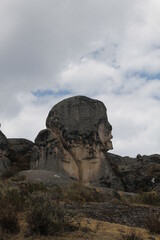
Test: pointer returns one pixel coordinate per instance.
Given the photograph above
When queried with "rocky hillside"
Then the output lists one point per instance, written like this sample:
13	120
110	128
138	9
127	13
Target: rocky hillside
74	147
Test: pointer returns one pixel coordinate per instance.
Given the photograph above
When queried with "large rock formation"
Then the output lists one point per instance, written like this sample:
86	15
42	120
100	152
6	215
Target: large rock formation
77	136
15	154
137	174
74	147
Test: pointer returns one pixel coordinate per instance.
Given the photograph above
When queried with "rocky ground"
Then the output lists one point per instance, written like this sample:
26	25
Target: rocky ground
129	215
95	213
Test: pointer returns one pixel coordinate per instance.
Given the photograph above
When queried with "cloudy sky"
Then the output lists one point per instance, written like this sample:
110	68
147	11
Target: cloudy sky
104	49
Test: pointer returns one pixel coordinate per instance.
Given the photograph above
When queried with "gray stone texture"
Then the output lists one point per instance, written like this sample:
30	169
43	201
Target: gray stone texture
3	144
20	152
4	164
77	134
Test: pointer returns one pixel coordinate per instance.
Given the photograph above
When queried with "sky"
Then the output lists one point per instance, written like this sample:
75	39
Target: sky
104	49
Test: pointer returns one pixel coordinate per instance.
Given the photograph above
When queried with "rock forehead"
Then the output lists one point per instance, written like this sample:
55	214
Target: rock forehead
78	116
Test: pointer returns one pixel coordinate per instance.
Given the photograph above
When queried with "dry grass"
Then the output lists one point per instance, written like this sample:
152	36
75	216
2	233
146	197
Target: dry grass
132	235
146	198
153	223
46	217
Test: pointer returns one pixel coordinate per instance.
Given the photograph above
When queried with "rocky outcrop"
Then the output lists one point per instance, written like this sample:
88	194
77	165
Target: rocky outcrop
77	135
20	153
137	174
74	147
15	154
4	164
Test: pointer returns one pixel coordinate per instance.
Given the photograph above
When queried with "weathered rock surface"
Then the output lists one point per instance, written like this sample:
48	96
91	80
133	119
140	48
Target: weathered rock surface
46	177
15	153
142	173
4	164
20	152
77	134
81	118
3	144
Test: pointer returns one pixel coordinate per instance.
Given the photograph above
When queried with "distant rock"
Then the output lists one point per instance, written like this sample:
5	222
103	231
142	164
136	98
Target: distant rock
137	174
20	153
3	144
4	164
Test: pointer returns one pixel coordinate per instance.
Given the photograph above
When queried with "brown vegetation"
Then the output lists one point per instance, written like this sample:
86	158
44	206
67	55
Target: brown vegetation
54	211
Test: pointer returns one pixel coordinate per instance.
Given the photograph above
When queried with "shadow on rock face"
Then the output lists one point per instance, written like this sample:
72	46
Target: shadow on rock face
77	136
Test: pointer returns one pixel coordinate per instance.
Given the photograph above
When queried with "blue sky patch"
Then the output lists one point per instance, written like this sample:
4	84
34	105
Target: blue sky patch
48	92
145	75
149	76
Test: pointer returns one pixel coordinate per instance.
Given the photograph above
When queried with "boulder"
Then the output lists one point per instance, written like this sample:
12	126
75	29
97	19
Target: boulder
20	153
81	119
4	164
46	177
137	174
74	144
3	144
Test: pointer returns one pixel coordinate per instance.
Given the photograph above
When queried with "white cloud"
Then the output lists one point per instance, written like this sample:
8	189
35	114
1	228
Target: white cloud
89	77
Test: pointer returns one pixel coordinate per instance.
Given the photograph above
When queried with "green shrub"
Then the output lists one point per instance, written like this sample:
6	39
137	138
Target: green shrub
153	223
45	216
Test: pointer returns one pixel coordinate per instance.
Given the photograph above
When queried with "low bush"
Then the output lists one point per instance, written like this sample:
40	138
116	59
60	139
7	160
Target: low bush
18	178
80	193
46	217
8	173
57	193
153	223
14	197
36	187
8	217
150	198
131	236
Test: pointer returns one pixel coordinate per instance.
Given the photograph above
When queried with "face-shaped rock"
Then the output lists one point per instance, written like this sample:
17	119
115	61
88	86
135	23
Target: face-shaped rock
82	127
80	118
